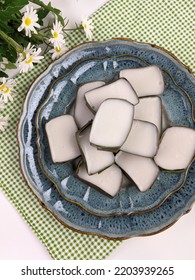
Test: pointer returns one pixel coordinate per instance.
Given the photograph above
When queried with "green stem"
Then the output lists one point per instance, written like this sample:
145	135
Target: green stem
11	42
40	36
40	3
45	28
47	47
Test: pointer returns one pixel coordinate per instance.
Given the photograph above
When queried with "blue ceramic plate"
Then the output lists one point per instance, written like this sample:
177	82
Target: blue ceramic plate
62	94
70	214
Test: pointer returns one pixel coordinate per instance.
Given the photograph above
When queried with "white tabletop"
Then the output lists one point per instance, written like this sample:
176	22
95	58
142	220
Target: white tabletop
177	242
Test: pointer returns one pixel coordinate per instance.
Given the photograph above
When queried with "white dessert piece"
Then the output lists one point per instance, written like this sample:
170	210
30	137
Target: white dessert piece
108	180
96	160
176	149
119	89
149	109
146	81
142	139
112	124
82	112
61	137
143	171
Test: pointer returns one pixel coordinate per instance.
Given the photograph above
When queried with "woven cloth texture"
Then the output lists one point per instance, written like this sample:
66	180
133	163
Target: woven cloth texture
166	23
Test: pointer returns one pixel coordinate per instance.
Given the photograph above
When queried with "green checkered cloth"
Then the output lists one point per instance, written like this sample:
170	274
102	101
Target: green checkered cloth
166	23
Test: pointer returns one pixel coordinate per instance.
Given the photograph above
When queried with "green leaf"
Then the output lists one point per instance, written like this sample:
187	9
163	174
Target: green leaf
11	54
3	49
60	18
56	12
51	9
4	17
9	3
42	13
21	39
10	66
9	9
6	28
3	74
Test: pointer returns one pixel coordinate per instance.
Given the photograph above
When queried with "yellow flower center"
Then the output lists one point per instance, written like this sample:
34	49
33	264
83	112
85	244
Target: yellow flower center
27	21
2	87
58	49
55	34
29	60
85	26
5	89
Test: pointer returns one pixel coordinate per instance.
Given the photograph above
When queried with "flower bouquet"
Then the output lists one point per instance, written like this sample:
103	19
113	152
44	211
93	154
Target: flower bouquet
29	30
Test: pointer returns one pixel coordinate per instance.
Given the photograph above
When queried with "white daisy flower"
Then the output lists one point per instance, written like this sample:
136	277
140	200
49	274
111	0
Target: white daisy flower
29	21
3	122
58	51
88	27
6	90
30	57
57	35
28	50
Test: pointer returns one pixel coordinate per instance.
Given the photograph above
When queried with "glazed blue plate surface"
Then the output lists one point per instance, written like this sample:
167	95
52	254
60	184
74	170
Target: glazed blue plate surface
62	94
53	92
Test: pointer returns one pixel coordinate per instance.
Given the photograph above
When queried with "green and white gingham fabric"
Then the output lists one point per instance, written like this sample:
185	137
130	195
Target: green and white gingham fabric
166	23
